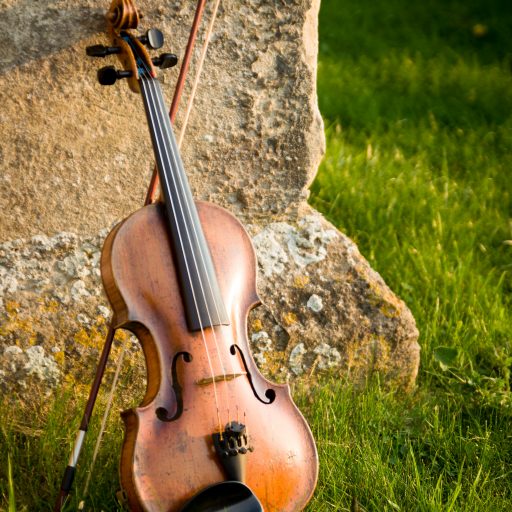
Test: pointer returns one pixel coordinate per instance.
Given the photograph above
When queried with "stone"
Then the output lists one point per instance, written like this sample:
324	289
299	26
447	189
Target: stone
369	328
45	368
104	312
18	368
315	303
261	341
279	241
296	360
72	164
327	356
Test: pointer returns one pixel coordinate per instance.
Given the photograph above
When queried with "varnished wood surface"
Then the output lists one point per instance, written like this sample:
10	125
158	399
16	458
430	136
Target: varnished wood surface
163	464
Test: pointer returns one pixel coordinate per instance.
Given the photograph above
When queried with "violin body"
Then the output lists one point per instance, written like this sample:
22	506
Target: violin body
211	433
200	379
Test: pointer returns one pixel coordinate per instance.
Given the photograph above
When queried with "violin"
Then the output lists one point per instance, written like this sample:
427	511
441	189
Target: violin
211	432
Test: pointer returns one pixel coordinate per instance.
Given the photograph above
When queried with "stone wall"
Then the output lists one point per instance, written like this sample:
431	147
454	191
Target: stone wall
75	158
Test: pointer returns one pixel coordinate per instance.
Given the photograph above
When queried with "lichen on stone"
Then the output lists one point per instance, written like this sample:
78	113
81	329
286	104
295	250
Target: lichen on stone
18	367
315	303
279	242
296	359
327	357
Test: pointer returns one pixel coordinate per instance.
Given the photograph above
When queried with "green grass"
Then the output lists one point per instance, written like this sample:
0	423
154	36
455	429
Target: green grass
417	100
38	438
418	164
417	172
413	453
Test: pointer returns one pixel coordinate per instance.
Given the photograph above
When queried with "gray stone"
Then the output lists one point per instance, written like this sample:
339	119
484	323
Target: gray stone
45	368
261	341
260	358
279	242
83	319
79	290
104	312
296	360
72	164
18	368
315	303
368	326
327	357
13	350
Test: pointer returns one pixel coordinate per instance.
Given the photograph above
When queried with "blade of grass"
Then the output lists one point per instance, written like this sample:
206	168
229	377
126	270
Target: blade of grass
10	483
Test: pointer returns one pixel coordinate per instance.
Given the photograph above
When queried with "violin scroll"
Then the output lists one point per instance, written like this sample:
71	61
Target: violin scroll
123	15
131	50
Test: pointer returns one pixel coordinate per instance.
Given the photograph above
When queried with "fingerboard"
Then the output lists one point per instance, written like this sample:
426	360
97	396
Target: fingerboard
201	294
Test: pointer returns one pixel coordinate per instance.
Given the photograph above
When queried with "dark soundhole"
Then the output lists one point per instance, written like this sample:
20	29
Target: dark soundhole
270	394
162	413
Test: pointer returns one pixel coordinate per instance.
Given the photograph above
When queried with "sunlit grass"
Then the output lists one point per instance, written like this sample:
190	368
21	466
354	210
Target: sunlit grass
419	452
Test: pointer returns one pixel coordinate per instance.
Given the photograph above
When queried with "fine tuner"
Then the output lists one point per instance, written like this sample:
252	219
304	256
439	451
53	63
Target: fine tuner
153	39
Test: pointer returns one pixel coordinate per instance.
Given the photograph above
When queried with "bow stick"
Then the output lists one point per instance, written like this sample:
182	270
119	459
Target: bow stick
153	185
70	470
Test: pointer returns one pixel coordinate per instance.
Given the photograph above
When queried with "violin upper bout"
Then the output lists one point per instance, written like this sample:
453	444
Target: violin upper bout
109	283
137	261
233	255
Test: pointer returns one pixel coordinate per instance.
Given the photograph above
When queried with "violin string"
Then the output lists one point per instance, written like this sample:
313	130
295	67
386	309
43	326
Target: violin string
165	182
158	94
188	109
184	125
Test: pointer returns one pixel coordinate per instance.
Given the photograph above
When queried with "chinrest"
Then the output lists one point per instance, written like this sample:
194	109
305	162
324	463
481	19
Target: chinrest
229	496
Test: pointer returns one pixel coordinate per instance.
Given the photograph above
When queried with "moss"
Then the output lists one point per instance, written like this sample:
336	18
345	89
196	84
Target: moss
92	338
22	329
389	310
60	357
12	307
275	362
51	306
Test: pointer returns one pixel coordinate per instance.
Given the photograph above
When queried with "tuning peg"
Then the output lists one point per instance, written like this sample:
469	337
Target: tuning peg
166	60
109	75
99	50
153	38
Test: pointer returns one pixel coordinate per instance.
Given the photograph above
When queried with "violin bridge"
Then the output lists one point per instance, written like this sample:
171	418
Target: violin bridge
219	378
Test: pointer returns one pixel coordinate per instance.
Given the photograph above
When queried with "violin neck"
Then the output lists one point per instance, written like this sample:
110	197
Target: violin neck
201	294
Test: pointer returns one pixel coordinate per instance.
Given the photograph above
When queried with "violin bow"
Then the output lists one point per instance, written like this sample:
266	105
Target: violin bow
69	473
153	185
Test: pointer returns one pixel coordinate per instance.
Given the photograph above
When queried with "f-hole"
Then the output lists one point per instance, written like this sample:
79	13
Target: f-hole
270	394
162	413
